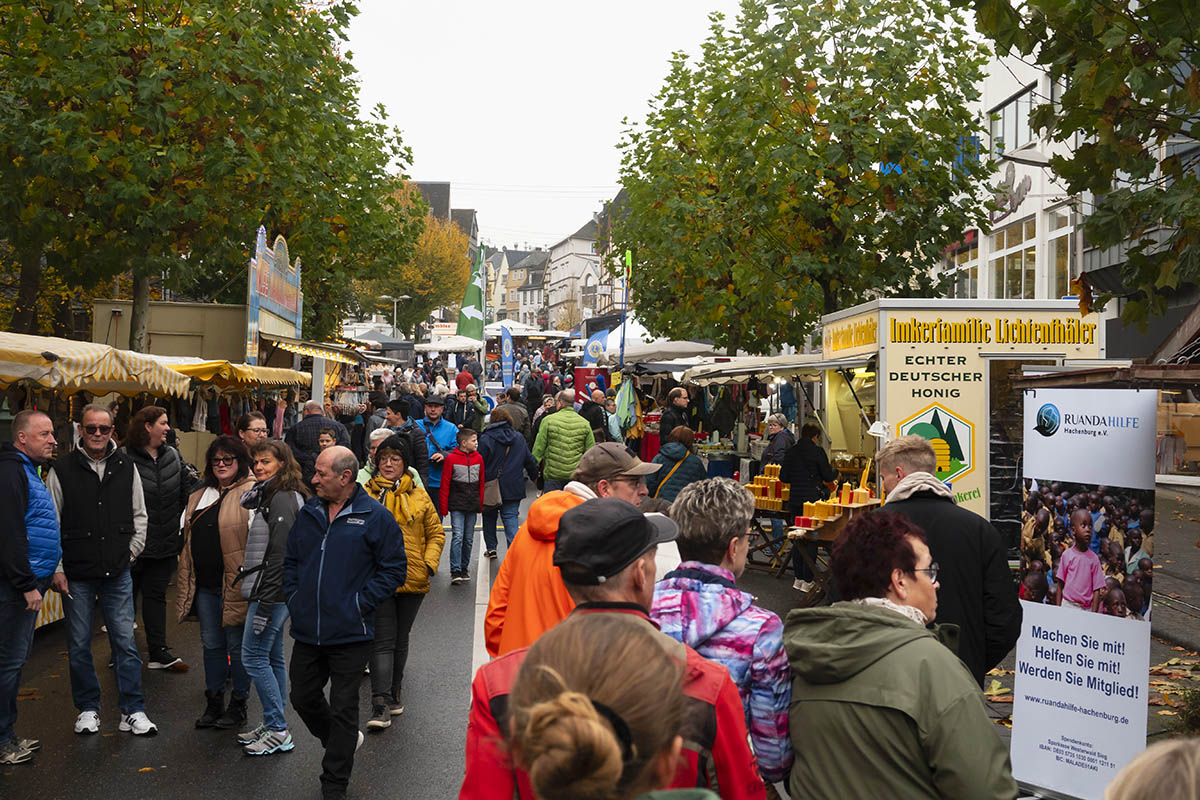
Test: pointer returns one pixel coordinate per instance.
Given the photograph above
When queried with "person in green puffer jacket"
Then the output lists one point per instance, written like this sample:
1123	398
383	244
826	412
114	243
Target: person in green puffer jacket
561	441
880	707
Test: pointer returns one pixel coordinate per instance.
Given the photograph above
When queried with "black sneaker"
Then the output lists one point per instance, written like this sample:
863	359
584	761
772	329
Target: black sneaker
165	659
380	718
456	578
464	576
490	554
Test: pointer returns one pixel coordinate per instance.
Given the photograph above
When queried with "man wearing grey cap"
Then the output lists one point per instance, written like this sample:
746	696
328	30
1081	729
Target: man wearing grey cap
528	596
605	550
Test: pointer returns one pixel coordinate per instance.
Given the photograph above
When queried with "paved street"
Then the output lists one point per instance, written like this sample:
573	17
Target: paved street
421	755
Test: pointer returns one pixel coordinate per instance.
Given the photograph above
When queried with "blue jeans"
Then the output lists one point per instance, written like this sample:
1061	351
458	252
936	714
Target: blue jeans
552	485
776	534
509	513
462	537
222	645
16	641
262	657
115	597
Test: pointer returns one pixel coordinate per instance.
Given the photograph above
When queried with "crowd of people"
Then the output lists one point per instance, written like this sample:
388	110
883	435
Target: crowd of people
625	658
1090	548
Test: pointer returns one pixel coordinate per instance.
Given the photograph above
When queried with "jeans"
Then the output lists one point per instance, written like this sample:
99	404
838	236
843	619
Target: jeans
150	579
16	642
222	645
262	658
552	485
393	620
115	597
509	512
334	721
462	527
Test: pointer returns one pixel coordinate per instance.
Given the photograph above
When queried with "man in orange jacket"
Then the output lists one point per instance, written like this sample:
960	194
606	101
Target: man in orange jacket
528	596
605	549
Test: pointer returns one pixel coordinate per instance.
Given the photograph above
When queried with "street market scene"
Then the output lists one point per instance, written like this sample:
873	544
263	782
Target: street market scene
738	399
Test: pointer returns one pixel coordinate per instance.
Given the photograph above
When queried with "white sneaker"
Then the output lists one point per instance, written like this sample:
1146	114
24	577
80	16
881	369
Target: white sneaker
138	724
802	586
360	741
87	723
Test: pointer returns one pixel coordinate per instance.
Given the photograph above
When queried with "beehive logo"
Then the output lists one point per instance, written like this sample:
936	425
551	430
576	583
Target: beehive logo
952	437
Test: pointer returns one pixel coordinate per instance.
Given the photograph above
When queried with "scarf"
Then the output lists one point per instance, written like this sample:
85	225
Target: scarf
393	495
255	496
915	614
915	482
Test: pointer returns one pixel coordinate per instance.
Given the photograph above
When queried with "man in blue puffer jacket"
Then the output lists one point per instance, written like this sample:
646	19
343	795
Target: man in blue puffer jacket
30	550
345	554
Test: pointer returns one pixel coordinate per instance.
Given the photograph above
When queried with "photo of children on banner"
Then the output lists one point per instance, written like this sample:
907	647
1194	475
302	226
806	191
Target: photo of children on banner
1088	547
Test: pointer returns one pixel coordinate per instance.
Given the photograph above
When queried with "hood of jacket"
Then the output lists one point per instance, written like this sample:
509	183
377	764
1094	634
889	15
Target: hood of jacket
502	433
674	451
835	643
546	511
8	452
706	600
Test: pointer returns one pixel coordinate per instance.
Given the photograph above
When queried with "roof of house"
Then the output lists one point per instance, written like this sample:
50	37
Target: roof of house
437	195
516	257
464	218
535	259
534	281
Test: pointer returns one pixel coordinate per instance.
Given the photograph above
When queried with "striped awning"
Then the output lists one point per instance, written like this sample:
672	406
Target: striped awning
55	363
224	373
329	352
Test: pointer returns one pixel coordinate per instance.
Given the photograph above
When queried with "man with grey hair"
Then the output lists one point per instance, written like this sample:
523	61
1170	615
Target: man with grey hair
977	592
698	603
303	437
345	555
97	491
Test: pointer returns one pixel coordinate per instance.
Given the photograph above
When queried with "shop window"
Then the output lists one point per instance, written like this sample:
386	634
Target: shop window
1013	264
961	269
1005	447
1010	126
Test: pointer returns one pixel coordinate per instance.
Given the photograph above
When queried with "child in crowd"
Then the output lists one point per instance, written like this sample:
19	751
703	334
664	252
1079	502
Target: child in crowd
1114	565
1033	588
1145	524
1114	604
1133	598
462	499
1133	549
327	438
1079	575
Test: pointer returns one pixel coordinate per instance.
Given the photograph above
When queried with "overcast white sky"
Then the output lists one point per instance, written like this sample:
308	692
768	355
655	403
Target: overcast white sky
518	103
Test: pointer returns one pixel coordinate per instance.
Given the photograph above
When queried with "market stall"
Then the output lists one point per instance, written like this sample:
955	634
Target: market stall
70	366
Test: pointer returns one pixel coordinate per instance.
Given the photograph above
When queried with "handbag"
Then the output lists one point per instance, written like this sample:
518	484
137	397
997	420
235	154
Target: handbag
491	487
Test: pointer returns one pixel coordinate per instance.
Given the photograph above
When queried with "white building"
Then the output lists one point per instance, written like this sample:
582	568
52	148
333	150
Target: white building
530	292
574	279
1032	251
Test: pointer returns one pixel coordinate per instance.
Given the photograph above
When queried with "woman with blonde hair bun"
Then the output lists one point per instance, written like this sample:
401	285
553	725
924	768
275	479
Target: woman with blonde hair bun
596	710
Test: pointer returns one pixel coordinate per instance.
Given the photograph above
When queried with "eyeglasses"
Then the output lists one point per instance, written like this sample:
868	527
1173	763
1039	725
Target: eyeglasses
223	461
931	571
257	430
102	429
635	480
391	459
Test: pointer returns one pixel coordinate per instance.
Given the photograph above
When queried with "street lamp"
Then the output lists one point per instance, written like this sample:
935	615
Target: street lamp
395	300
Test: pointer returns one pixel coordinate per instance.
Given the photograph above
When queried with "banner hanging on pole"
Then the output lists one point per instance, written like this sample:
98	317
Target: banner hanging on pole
595	347
506	356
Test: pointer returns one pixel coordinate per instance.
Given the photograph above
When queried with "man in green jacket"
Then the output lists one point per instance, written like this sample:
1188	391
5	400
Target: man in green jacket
562	439
880	707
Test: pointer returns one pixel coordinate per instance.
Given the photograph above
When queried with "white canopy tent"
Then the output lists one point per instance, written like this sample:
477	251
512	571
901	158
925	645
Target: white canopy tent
450	344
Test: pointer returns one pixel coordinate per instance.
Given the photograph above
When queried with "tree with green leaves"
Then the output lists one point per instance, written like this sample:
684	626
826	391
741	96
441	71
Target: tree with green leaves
813	156
1130	105
189	124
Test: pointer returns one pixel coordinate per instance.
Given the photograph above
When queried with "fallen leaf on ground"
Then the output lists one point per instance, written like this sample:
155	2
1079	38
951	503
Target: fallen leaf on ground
146	769
998	671
1166	713
1000	698
1005	721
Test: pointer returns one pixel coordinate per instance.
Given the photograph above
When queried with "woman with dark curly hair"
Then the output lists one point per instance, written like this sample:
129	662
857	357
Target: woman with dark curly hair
273	503
214	547
881	707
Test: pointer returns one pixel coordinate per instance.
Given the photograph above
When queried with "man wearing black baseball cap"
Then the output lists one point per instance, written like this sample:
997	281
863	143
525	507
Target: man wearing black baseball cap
605	550
440	438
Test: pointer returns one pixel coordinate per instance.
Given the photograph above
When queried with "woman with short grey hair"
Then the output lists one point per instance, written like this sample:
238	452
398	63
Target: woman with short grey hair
781	440
699	604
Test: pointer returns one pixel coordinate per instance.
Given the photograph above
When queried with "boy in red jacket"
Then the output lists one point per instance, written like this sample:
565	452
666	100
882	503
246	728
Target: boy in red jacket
462	498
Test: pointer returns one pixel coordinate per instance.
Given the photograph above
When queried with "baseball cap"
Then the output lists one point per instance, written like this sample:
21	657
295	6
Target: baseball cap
602	536
435	400
609	460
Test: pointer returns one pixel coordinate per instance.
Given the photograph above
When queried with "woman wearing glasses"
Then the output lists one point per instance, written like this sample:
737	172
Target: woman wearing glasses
214	546
880	706
252	429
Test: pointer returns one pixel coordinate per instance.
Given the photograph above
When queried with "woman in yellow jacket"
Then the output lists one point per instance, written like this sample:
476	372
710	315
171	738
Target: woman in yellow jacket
424	538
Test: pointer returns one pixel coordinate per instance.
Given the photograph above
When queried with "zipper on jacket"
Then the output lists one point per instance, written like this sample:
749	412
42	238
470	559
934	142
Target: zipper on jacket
320	573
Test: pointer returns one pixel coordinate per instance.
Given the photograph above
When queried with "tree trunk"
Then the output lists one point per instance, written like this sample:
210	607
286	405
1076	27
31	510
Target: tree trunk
63	323
140	313
24	318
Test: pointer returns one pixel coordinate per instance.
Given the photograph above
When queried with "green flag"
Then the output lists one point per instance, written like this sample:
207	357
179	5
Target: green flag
470	315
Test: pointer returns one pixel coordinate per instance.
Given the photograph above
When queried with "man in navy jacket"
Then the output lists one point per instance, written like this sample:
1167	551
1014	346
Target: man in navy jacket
345	554
29	552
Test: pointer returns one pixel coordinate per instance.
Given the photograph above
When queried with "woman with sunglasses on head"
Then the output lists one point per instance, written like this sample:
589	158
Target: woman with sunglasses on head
273	503
880	707
424	538
214	547
166	485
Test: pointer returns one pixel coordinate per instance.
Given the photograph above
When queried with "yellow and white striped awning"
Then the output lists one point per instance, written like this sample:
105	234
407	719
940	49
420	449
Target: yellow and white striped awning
224	373
55	363
329	352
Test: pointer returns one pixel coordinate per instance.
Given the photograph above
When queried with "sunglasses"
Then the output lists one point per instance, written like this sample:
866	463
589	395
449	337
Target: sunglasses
223	461
94	429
